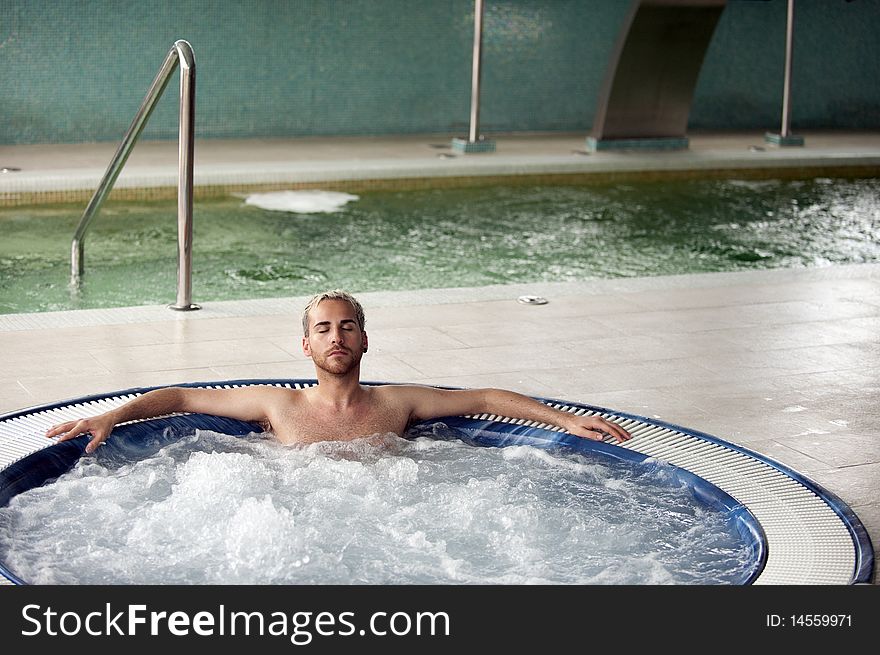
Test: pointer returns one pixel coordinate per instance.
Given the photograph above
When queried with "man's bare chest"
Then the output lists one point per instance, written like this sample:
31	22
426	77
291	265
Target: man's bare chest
303	425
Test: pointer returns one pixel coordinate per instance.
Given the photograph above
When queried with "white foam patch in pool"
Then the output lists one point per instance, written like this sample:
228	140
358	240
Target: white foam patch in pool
301	202
215	509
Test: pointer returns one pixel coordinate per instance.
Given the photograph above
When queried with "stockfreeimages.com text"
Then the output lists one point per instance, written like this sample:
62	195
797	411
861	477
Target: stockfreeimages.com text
300	627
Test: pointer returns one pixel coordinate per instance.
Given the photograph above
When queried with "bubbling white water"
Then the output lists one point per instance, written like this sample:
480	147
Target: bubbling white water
218	509
301	202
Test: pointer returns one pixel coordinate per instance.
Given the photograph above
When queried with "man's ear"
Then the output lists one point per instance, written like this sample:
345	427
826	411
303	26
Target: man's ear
307	349
365	342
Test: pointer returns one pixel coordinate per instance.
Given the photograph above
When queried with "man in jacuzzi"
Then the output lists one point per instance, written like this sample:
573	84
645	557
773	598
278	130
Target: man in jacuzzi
339	407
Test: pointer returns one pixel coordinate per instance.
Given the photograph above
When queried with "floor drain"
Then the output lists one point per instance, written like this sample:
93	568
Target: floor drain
532	300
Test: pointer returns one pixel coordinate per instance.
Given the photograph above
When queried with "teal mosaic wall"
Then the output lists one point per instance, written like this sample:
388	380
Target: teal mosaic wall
835	72
76	71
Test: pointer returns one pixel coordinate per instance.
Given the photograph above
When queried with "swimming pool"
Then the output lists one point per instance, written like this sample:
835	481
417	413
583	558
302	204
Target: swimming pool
790	529
420	239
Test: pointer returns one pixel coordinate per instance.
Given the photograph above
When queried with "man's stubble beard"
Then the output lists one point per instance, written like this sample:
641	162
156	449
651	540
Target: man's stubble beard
337	368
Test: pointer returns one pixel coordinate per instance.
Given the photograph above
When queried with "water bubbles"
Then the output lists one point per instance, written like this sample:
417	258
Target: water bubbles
301	202
215	509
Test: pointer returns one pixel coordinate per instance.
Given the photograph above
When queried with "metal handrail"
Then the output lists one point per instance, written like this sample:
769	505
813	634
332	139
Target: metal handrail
180	54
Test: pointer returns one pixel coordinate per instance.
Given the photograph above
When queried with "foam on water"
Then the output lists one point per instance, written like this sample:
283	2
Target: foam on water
218	509
301	202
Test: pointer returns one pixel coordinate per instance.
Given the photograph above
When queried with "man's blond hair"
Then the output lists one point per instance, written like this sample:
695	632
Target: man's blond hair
336	294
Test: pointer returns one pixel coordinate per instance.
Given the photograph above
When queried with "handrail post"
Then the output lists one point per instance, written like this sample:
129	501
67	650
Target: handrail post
186	148
181	55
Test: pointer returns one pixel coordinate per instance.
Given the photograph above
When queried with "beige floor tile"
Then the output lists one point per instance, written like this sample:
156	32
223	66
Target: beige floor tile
854	484
425	315
609	350
302	368
524	332
781	389
513	381
788	405
853	408
14	396
290	344
389	368
643	347
625	376
739	316
498	359
865	353
819	384
748	294
576	306
675	321
844	309
651	403
791	361
49	362
190	355
223	329
714	297
754	428
414	339
695	344
840	449
789	457
798	335
82	338
58	389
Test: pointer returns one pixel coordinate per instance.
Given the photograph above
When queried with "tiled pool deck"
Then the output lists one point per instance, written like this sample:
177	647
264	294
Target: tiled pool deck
784	362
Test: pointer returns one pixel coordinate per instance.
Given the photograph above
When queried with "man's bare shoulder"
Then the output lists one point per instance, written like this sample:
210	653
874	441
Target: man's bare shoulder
402	392
270	395
276	393
423	401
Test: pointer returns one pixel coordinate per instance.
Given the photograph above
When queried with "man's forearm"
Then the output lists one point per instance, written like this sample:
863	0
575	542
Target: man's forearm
153	403
158	402
515	405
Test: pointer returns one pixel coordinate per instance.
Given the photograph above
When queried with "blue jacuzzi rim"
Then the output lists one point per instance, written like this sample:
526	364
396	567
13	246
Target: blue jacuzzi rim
864	553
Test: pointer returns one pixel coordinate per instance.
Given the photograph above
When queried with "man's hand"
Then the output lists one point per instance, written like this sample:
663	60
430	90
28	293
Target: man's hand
97	426
595	428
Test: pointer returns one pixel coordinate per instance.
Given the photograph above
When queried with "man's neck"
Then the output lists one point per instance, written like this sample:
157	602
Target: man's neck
339	390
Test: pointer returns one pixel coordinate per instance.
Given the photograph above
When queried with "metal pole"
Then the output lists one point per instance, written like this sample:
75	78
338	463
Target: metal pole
186	147
786	85
475	77
118	161
181	55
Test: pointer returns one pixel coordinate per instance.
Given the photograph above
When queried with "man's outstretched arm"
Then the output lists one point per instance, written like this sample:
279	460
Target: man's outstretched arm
428	403
244	404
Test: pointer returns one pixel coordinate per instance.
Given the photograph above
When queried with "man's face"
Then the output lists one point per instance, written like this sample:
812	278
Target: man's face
335	342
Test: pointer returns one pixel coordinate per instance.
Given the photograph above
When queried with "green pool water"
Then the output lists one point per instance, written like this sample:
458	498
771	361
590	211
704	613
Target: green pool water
439	238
